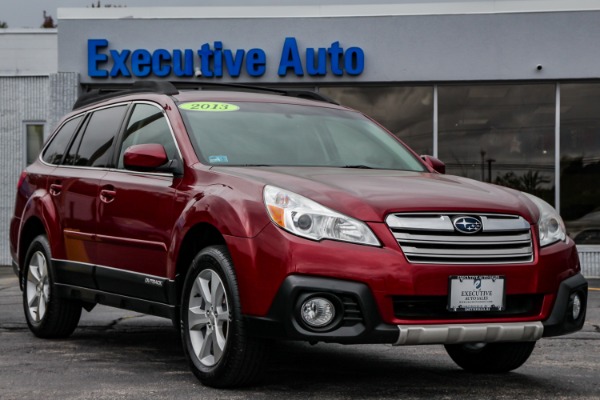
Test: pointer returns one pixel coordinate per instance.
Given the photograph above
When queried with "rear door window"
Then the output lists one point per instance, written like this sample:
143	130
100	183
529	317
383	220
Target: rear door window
94	149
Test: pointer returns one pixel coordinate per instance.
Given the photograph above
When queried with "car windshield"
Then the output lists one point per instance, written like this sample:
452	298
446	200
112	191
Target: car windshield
269	134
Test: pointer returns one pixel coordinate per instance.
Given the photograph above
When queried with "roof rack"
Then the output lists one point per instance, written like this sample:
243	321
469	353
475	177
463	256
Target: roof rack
172	88
96	95
304	94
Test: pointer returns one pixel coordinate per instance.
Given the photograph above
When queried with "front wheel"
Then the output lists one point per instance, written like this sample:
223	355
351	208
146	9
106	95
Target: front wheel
216	344
47	315
490	357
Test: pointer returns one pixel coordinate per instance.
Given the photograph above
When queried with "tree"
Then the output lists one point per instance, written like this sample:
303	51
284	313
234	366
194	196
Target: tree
48	21
99	5
3	25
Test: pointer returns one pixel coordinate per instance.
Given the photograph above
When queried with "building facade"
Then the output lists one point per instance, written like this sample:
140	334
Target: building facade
502	91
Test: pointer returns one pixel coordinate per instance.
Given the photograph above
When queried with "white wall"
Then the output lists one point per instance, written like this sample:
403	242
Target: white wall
28	52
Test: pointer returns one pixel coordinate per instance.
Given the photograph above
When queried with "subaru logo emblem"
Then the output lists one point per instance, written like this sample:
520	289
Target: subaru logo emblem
467	224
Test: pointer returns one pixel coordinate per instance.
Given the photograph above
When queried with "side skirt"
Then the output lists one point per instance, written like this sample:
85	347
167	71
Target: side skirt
116	300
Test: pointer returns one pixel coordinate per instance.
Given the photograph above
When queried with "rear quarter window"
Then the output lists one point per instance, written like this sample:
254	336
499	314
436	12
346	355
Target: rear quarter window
56	149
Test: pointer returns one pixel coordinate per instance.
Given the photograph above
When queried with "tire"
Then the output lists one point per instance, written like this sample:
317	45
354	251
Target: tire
47	315
490	357
218	349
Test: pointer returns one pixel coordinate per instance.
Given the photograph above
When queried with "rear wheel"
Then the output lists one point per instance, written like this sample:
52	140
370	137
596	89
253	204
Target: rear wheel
490	357
218	348
47	315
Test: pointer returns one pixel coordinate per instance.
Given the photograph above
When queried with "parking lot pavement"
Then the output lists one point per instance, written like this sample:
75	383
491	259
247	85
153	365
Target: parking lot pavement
116	354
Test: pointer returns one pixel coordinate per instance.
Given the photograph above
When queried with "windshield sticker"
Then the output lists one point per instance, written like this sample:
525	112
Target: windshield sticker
209	106
218	159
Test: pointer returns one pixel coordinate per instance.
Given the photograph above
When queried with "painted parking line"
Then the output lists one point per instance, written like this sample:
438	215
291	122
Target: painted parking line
595	289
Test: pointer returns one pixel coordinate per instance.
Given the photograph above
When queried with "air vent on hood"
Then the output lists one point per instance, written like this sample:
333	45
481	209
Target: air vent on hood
435	238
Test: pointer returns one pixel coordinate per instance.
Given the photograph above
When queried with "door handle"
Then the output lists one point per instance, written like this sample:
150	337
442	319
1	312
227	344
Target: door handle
107	195
55	189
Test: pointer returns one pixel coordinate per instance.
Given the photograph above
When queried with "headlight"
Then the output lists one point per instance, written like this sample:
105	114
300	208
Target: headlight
309	219
550	225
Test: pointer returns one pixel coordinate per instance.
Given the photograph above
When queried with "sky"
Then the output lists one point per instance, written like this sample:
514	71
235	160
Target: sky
29	13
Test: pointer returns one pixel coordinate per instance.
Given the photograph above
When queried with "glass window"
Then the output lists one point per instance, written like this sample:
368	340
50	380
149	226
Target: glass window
94	149
580	161
502	134
148	125
34	134
56	149
404	110
291	135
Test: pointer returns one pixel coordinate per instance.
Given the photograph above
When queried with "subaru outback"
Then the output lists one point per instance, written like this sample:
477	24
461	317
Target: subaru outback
247	216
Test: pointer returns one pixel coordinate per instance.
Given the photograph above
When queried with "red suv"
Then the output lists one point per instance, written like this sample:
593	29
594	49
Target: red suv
246	217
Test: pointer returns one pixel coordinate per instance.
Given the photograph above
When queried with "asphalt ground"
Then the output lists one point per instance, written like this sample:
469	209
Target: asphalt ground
117	354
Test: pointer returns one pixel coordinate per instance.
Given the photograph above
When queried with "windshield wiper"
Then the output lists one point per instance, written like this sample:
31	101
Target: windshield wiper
358	166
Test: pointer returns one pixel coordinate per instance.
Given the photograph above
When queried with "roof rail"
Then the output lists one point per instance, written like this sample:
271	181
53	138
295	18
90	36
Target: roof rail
172	88
304	94
96	95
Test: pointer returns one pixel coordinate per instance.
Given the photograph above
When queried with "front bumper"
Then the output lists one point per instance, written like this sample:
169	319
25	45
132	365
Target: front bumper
561	320
361	321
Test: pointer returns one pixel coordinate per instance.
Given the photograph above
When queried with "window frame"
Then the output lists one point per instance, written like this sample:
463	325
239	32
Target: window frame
78	127
26	124
120	138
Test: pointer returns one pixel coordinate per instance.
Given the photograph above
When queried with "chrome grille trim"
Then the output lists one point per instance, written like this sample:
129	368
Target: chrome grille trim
431	238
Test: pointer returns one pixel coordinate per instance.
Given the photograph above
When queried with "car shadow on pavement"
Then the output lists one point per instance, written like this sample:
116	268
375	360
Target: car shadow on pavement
380	371
297	370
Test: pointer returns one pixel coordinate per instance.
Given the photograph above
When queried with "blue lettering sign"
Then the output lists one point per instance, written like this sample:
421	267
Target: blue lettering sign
141	63
318	68
335	52
120	63
215	61
160	67
256	62
354	61
290	58
234	63
183	63
94	58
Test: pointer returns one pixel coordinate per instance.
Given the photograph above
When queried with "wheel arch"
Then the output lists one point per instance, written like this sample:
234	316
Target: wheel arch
31	229
38	217
198	237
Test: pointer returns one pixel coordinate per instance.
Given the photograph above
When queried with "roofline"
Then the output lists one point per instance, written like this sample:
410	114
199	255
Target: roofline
411	7
28	31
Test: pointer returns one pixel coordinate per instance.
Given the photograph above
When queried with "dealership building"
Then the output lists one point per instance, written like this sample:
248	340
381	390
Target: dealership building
502	91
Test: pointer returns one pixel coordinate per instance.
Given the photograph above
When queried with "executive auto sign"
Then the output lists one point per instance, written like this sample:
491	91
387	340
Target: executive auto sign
216	60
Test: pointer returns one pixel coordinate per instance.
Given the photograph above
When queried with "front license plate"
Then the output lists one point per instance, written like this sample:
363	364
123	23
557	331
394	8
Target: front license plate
476	293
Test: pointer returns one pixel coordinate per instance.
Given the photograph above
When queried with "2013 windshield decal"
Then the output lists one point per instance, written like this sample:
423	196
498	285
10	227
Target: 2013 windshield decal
216	61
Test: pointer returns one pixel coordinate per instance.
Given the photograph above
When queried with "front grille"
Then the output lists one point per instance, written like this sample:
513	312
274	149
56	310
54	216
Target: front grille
432	239
435	307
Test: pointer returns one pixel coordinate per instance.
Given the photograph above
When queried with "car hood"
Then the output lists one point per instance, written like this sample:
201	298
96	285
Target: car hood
370	195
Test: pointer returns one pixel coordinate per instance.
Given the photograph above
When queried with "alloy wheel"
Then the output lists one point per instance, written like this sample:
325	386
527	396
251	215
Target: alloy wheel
38	287
208	317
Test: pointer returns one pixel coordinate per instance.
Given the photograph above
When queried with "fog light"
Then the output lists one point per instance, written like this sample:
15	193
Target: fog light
317	312
576	306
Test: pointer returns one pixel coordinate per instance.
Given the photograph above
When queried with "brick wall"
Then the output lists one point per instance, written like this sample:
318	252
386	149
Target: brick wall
40	99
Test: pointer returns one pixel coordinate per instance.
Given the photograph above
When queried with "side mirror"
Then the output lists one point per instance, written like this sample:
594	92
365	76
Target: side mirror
434	163
145	157
151	157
